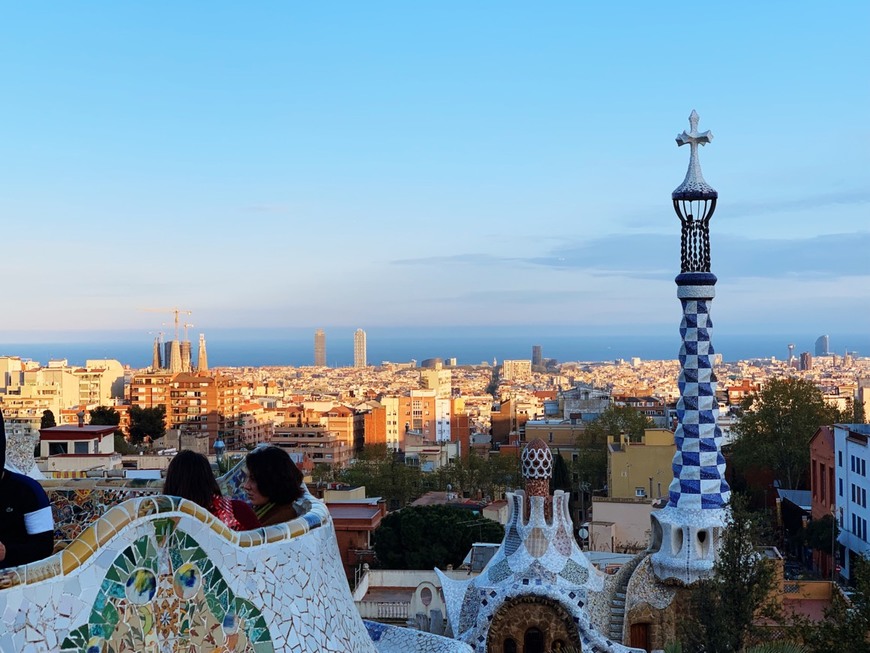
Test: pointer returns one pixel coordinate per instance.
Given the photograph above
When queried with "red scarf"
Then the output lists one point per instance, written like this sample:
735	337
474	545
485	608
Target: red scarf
222	508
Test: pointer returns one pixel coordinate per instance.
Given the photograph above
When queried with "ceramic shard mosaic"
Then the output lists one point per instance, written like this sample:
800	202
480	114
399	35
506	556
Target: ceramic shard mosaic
538	564
150	573
168	598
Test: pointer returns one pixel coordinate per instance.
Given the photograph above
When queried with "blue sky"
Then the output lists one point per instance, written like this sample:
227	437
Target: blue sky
280	164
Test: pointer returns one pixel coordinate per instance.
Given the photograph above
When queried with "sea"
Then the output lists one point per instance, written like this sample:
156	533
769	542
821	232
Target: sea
469	346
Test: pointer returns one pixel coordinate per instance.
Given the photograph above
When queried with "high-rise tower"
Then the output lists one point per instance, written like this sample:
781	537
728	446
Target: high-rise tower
686	533
319	348
537	357
202	358
822	346
359	348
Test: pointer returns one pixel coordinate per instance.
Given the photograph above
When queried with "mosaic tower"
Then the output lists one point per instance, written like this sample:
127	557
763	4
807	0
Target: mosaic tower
538	592
687	531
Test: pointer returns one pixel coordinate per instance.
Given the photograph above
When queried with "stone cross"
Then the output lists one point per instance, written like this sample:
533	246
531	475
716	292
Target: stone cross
694	137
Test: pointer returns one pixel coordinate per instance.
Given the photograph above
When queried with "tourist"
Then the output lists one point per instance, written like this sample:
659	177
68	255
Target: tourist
189	476
274	483
26	522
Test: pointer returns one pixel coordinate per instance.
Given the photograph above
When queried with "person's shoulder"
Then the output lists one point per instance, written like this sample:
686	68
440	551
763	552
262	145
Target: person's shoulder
27	484
245	515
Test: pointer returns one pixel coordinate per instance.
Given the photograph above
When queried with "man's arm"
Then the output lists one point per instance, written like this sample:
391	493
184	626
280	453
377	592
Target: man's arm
36	540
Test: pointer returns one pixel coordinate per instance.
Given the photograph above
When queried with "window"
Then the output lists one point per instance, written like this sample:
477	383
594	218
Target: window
841	486
840	458
80	447
639	492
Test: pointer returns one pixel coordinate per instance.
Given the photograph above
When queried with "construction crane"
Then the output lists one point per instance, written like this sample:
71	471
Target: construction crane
175	311
186	326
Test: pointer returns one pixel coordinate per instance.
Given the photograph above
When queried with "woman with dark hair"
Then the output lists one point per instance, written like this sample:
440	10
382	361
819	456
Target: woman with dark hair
189	476
274	483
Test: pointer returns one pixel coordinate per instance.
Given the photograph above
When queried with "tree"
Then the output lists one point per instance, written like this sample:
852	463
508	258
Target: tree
591	463
818	535
147	422
47	420
384	477
724	607
424	537
776	428
847	622
105	416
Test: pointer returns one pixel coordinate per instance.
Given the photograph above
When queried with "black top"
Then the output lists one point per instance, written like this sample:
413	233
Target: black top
26	522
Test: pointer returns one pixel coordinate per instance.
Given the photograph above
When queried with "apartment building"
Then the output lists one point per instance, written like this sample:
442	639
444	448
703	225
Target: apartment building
318	443
852	453
201	408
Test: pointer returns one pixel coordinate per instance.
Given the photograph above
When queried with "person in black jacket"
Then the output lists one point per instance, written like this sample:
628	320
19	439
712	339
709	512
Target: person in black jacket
26	522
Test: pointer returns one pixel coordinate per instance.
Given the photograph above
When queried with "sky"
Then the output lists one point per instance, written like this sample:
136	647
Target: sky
365	164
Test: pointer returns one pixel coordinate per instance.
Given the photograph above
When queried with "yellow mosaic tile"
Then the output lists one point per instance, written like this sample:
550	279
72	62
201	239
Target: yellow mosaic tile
9	578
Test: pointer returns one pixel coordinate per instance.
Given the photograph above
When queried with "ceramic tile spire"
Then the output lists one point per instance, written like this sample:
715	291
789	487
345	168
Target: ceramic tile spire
686	533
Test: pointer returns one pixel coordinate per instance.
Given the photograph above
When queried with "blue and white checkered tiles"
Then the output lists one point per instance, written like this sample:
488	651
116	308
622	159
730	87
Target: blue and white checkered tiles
699	468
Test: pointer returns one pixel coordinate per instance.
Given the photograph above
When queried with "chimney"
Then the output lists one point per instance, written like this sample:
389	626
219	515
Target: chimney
81	416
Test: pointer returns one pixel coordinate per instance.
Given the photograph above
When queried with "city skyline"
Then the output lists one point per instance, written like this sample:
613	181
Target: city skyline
509	167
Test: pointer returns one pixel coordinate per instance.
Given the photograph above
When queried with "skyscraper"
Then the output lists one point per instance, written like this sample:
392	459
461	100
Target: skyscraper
687	532
537	357
823	346
319	348
359	348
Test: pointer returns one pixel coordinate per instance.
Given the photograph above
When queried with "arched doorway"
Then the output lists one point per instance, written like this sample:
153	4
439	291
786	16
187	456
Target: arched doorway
532	624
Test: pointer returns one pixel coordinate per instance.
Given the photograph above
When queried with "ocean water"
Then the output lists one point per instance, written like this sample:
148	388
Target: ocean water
468	347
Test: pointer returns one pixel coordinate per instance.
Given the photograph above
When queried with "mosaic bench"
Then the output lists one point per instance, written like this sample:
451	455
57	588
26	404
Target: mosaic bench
155	574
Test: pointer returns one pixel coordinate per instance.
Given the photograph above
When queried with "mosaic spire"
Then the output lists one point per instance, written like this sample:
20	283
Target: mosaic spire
686	533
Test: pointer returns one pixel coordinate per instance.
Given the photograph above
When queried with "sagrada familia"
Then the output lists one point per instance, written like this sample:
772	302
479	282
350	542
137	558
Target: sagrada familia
160	573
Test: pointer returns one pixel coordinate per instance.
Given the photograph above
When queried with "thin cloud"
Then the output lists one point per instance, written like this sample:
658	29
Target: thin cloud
660	216
469	259
656	256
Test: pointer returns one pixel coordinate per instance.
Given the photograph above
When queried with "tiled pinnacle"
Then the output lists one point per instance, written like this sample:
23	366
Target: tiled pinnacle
699	467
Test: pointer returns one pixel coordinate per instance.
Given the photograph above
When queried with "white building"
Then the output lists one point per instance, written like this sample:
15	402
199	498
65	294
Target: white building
852	455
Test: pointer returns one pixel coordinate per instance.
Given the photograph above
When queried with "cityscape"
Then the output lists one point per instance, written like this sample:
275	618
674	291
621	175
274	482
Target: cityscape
371	328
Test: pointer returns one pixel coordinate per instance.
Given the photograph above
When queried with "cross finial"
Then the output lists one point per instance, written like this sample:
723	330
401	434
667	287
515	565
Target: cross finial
694	137
694	183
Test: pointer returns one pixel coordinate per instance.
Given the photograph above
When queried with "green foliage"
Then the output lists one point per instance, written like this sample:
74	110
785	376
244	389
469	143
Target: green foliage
482	476
724	607
323	473
385	476
847	622
397	483
776	427
818	534
106	416
122	446
591	463
777	647
147	422
47	420
561	479
425	537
